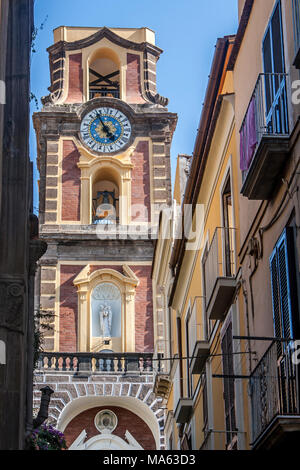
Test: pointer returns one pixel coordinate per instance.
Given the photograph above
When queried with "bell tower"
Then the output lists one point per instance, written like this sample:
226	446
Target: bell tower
104	137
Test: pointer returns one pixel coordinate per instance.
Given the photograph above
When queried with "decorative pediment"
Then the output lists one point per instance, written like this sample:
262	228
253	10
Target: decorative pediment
105	442
87	277
97	37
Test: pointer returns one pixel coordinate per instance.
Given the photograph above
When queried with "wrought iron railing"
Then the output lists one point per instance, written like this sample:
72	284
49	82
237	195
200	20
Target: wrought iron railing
109	220
104	92
220	261
267	115
273	388
296	19
96	362
197	328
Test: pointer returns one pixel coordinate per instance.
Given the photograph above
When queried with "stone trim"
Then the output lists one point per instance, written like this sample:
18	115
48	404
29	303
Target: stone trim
67	387
96	37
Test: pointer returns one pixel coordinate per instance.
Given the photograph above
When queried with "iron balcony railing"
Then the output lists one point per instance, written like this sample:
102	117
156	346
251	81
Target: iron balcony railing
296	20
109	220
220	260
104	92
273	389
96	362
266	116
197	330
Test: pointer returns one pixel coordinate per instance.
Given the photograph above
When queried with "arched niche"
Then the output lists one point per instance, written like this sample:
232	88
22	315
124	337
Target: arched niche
104	74
106	184
96	173
106	314
123	308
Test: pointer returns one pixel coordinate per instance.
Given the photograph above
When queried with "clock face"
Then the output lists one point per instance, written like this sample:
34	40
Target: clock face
105	130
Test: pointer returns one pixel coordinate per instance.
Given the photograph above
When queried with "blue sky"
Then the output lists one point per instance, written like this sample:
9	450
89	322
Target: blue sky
186	30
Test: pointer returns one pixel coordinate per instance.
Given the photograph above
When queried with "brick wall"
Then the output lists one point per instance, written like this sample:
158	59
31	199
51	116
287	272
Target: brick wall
140	184
68	320
144	339
71	186
127	421
75	93
68	316
133	79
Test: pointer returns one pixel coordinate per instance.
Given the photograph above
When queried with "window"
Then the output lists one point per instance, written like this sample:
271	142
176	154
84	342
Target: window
229	395
274	68
296	21
205	405
187	348
285	315
228	225
170	442
208	323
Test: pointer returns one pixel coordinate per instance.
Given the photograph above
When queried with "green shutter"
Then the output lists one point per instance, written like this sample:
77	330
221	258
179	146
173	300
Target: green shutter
281	297
229	396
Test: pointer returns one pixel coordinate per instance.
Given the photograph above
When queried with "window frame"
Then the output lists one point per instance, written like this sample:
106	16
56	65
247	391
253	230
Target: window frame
286	239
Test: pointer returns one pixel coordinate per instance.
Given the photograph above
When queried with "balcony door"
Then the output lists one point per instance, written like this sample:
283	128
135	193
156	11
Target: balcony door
274	76
228	225
229	392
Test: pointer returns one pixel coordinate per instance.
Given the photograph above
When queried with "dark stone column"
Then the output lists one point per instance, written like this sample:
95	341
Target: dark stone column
15	185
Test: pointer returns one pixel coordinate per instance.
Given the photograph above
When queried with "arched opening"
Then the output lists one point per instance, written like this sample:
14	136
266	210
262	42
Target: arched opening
104	74
105	198
87	407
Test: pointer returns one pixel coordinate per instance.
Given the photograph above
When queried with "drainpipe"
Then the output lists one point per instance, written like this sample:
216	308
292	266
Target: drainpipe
43	412
179	342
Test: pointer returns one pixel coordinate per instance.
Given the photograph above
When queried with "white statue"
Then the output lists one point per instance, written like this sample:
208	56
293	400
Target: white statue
105	320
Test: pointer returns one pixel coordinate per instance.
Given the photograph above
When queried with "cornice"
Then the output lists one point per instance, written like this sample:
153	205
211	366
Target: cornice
101	34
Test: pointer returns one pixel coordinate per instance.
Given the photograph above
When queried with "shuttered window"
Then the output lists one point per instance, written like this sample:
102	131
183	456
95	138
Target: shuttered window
229	396
281	288
205	404
274	74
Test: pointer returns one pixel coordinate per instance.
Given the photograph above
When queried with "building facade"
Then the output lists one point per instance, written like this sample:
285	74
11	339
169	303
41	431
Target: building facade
267	110
104	137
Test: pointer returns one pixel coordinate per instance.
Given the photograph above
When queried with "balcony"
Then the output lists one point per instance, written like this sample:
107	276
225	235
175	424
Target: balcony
219	272
183	411
92	363
264	137
163	377
275	400
198	345
183	405
296	20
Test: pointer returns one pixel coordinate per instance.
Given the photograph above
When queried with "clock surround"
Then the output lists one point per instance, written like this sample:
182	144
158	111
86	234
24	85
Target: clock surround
105	129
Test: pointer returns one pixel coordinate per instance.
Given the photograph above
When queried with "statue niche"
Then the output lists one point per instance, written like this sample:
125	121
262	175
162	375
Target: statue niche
105	313
105	320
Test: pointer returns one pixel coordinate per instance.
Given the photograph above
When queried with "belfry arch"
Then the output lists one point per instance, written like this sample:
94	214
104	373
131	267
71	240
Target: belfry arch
104	72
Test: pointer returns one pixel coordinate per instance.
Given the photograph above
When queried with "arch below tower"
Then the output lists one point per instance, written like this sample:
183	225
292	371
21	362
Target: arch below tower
136	406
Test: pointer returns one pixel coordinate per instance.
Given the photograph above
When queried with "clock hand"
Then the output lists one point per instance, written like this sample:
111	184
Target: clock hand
106	129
